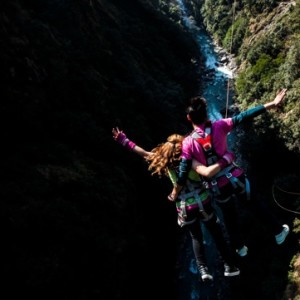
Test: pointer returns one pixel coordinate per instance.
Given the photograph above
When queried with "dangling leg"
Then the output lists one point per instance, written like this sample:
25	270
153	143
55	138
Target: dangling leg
214	227
231	220
199	251
258	205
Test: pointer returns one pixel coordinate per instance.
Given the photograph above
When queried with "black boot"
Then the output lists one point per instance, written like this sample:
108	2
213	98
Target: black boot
230	270
204	274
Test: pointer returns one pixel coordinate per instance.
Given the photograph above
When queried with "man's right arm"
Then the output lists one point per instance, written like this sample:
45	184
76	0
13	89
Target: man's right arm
258	110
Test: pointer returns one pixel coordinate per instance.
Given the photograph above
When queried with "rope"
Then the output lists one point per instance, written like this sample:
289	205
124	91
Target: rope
230	51
291	193
282	207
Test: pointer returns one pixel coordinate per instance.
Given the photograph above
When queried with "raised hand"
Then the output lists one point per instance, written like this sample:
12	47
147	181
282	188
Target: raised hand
279	97
119	136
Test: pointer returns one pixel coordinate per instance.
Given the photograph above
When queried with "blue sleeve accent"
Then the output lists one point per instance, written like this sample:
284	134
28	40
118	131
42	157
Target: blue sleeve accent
184	167
248	114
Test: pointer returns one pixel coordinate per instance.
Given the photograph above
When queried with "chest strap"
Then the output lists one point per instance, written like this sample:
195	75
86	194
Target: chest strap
205	140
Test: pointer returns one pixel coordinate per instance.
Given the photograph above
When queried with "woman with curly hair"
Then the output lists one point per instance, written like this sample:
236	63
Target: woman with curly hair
194	202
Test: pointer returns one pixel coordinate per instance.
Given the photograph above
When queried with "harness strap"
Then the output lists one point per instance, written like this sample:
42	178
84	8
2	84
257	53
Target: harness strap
183	210
196	195
193	193
201	210
181	222
233	180
205	215
205	140
215	188
225	171
247	188
211	157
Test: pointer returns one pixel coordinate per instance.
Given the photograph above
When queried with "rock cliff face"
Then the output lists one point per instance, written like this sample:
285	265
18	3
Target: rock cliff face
81	217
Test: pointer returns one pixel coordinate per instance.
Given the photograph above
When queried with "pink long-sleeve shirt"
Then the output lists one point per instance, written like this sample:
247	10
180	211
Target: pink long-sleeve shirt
220	129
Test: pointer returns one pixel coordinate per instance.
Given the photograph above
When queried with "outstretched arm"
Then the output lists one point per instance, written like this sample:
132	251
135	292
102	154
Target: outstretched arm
120	137
277	100
258	110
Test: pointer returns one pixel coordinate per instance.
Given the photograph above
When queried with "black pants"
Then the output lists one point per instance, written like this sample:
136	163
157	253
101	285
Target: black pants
255	204
214	228
232	224
259	208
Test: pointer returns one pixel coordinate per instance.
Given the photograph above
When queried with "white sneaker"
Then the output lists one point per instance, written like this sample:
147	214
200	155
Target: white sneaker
243	251
280	238
231	270
204	274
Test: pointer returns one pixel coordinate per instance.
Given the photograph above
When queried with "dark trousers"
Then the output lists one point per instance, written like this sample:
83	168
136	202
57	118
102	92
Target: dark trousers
258	207
231	221
214	228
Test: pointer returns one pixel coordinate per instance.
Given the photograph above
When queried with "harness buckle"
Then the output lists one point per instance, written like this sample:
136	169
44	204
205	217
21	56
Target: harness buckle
206	146
206	185
228	175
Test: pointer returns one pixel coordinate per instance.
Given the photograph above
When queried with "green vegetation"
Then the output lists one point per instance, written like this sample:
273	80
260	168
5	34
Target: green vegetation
264	36
235	34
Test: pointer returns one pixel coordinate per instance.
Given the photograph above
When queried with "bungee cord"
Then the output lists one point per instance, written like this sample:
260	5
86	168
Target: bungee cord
230	52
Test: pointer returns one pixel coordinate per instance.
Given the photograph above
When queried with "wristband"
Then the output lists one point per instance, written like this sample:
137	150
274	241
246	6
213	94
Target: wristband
121	138
130	145
124	141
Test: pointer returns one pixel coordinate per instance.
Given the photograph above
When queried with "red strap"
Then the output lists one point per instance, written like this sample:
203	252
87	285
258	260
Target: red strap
206	141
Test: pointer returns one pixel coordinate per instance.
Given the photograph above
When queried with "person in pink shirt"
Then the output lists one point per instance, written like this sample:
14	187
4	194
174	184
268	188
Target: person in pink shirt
207	143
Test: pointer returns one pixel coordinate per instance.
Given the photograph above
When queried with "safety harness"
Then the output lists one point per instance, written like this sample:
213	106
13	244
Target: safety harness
192	190
192	195
211	158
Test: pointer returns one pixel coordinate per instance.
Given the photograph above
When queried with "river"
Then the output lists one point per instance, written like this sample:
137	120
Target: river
218	97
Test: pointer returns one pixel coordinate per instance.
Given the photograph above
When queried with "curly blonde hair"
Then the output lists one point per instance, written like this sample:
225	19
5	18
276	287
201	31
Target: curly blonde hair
165	156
